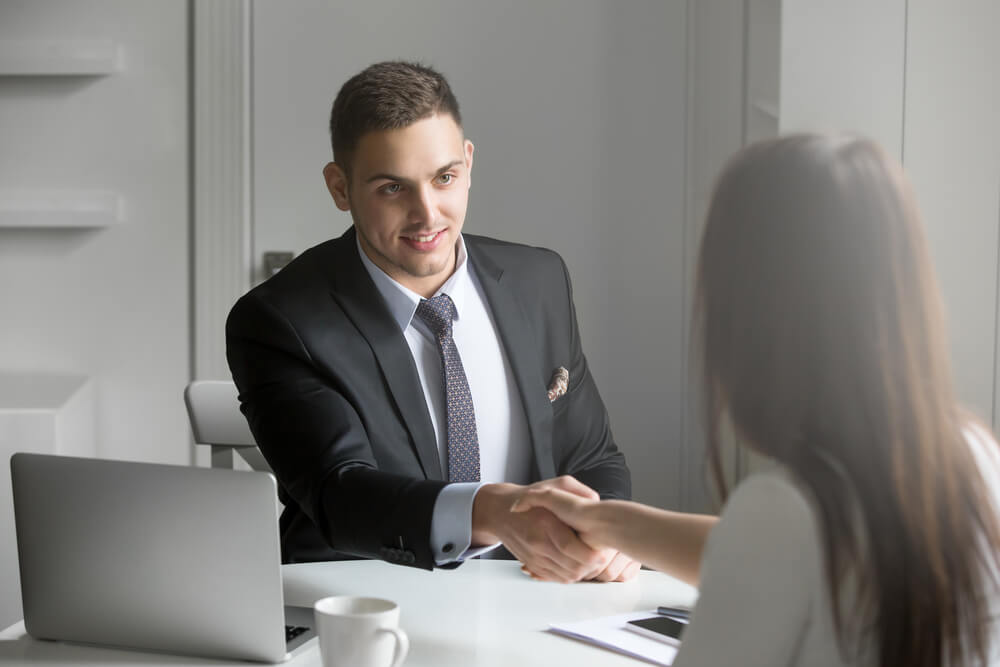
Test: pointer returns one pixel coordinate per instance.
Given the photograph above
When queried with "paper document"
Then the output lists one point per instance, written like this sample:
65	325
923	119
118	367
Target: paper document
609	632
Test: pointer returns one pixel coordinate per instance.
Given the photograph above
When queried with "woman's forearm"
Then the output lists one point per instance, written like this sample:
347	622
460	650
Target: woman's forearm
671	542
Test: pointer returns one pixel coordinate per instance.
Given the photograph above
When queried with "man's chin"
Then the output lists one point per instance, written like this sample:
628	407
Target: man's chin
425	271
427	266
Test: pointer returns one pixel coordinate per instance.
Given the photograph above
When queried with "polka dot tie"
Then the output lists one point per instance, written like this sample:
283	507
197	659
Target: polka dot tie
463	442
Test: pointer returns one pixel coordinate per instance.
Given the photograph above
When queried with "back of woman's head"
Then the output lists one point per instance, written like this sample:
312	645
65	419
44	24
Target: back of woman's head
823	343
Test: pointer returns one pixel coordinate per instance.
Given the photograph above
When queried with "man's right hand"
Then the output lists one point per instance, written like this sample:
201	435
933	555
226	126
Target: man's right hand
546	547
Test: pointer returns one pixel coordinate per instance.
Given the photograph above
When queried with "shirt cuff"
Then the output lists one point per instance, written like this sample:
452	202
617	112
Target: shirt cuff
451	524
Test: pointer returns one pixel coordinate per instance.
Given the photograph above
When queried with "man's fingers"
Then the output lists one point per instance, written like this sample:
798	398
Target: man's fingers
545	568
610	571
555	570
551	549
600	565
614	569
621	569
630	572
568	545
539	572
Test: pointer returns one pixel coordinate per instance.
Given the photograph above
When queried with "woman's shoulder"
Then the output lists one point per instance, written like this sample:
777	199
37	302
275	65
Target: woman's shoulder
769	509
983	445
774	492
760	577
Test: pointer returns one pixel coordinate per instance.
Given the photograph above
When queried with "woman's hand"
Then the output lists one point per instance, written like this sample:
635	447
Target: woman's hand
575	509
582	512
671	542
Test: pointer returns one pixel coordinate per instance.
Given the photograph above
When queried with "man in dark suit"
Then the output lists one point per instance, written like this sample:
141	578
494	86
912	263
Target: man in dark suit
408	383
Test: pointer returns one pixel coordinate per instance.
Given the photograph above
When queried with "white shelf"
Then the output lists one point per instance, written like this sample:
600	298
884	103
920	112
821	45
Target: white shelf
59	58
47	412
43	413
32	392
30	209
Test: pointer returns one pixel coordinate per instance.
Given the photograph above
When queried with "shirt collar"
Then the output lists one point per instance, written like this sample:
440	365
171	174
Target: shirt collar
403	301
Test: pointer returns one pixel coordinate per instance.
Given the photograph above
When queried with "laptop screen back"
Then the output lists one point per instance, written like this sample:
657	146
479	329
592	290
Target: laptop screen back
169	558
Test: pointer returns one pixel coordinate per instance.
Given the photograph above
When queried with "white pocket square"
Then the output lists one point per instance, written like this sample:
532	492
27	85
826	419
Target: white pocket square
558	384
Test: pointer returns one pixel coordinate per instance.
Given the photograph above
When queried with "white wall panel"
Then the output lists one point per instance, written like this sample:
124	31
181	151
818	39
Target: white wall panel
952	155
109	303
842	67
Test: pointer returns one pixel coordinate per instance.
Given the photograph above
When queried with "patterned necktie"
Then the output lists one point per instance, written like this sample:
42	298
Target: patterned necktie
463	442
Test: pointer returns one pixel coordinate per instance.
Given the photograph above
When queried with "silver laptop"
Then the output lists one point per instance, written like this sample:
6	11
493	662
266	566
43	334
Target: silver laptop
153	557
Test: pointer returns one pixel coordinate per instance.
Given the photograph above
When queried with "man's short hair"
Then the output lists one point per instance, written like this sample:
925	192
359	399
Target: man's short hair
386	96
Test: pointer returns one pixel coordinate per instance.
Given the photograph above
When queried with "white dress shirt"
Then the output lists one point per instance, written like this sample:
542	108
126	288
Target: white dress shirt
501	425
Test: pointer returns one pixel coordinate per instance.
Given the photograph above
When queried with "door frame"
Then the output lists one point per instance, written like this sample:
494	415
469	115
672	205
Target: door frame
222	175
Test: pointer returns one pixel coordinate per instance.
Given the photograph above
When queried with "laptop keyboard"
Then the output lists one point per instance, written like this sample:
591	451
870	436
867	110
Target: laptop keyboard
293	631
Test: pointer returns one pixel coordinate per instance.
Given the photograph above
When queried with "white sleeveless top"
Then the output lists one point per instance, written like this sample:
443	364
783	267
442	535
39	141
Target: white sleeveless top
763	595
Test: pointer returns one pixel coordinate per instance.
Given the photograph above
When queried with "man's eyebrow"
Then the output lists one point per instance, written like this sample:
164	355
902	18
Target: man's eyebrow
384	176
453	163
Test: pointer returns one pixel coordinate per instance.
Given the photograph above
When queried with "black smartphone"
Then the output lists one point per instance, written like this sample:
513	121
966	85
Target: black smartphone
679	613
663	628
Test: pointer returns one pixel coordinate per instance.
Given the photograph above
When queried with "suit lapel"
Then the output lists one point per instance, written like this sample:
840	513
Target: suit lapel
519	338
361	301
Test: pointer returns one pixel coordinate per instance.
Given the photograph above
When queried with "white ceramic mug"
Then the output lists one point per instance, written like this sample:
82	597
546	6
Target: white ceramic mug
360	632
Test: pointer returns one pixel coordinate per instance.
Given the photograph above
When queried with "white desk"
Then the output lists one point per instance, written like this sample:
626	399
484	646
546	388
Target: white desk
483	613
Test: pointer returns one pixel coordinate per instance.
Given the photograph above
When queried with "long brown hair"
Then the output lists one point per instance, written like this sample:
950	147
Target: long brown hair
824	345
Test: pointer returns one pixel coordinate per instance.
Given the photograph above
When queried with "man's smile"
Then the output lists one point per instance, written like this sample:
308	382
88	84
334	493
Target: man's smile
424	241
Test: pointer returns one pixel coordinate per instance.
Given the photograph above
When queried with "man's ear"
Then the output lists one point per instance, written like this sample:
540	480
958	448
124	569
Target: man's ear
469	150
336	183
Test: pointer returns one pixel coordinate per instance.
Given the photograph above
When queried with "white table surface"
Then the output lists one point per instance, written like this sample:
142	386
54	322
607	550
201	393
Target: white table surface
482	613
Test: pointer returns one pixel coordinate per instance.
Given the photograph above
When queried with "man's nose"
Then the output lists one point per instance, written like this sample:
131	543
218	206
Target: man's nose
424	206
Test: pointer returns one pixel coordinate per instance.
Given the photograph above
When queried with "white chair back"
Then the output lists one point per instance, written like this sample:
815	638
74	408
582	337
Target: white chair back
214	410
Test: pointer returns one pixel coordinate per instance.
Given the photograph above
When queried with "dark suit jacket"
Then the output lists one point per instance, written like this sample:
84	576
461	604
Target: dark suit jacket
331	393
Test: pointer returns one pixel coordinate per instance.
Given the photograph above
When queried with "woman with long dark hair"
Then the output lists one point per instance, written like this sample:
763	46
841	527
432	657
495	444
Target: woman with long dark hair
875	538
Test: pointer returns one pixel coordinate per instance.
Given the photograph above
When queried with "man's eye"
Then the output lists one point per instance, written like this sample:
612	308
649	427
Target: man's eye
446	179
391	188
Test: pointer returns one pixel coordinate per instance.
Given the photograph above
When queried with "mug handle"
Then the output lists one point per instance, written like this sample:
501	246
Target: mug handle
402	645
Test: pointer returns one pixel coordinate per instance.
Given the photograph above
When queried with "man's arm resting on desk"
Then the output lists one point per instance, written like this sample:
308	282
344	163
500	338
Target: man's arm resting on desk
451	525
374	514
313	437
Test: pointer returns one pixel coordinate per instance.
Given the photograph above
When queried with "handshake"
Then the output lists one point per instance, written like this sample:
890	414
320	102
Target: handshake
544	526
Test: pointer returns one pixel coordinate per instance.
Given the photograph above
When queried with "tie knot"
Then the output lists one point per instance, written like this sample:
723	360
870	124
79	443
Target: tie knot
438	313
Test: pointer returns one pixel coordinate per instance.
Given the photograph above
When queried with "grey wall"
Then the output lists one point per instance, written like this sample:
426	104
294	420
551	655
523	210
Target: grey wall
922	79
109	304
951	151
577	110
